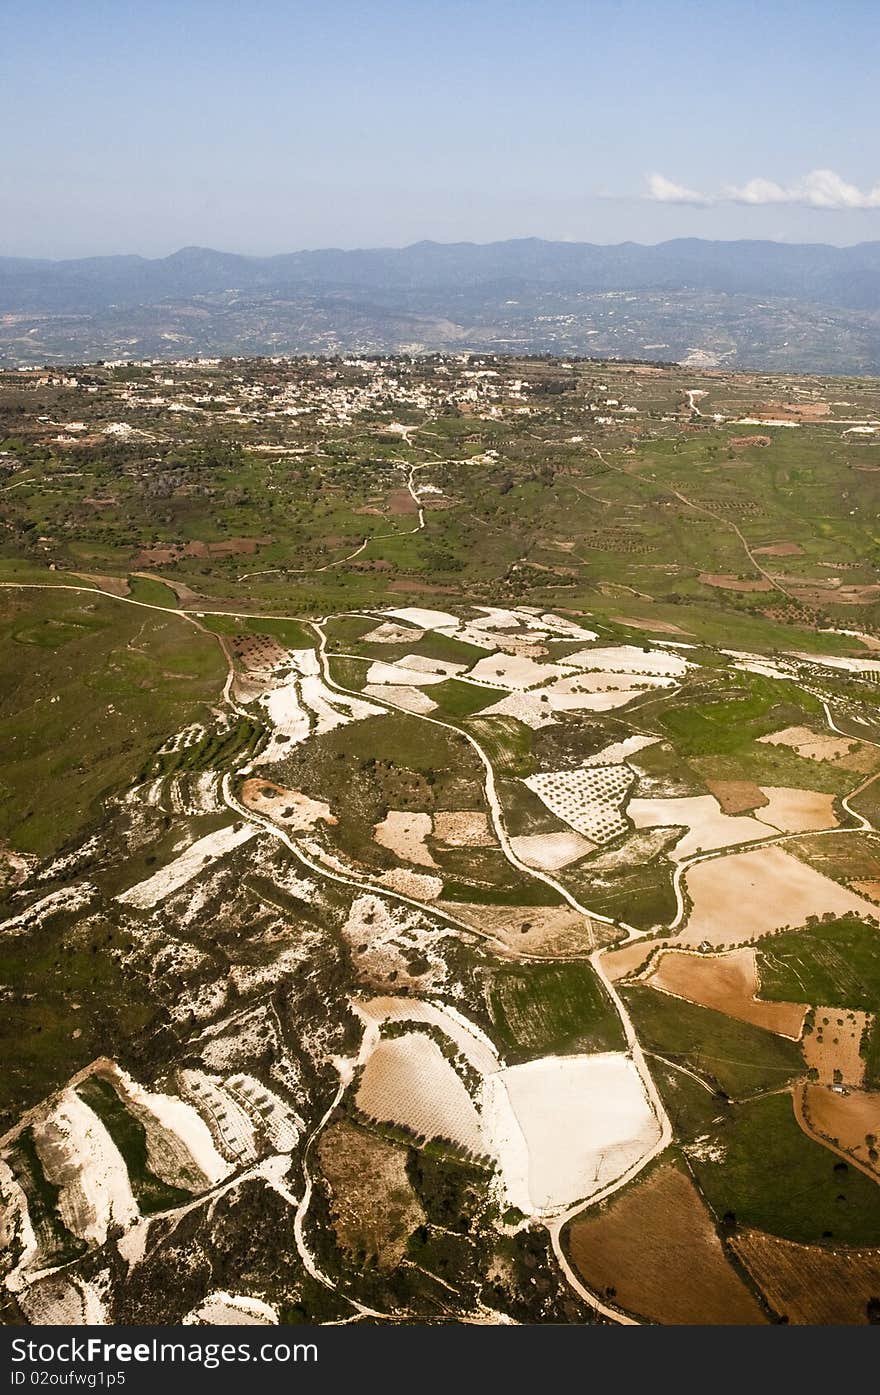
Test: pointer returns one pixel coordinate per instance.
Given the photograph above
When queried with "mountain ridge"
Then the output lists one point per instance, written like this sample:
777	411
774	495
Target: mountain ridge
750	303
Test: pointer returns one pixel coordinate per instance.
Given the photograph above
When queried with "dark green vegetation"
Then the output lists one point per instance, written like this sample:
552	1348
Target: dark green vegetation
66	1002
456	700
455	1250
367	768
730	713
836	964
218	748
551	1010
733	1056
715	723
151	591
636	889
768	1174
507	742
694	1111
520	893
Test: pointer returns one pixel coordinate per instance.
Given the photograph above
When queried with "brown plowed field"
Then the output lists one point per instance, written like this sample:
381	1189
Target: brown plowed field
653	1252
846	1120
809	1284
728	983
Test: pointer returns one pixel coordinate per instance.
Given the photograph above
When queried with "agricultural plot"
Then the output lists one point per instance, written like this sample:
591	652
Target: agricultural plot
833	1045
408	1082
551	850
707	827
653	1251
565	1127
811	1284
374	1207
732	1056
837	963
850	1121
553	1009
588	800
727	983
739	1165
738	898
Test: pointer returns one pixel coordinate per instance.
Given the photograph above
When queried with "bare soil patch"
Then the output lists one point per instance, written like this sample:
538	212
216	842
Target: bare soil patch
653	1252
797	811
400	501
728	983
849	1121
406	585
408	1081
654	627
819	745
463	828
780	549
257	653
705	826
551	851
743	895
794	411
229	547
832	1048
807	1283
113	585
554	931
292	810
404	833
629	959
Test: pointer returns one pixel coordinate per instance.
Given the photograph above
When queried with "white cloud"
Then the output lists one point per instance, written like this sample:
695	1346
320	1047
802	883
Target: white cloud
664	191
818	189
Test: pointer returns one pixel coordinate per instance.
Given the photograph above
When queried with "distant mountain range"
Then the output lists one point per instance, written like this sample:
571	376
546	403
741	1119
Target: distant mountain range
764	305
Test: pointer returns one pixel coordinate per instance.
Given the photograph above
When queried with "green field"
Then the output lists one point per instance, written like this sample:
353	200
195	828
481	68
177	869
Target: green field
88	689
151	591
525	893
290	633
836	964
551	1009
768	1174
456	700
737	1057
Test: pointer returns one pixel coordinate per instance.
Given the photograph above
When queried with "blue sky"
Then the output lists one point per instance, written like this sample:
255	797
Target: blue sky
274	125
